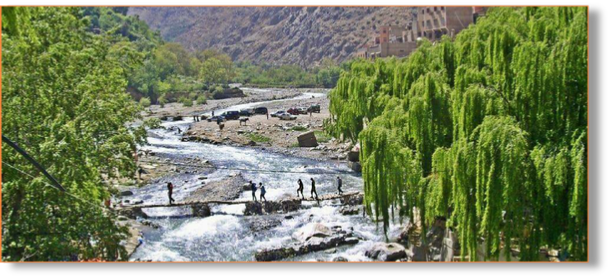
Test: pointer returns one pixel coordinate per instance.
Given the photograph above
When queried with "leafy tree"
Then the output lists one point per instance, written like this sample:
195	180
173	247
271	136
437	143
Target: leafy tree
488	130
64	101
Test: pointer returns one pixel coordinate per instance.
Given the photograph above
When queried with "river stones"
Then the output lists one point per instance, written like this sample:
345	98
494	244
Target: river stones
262	223
201	210
257	208
387	252
311	230
340	259
352	200
310	238
349	210
126	193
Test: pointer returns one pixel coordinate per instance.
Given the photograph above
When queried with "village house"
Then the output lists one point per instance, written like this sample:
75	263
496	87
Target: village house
431	23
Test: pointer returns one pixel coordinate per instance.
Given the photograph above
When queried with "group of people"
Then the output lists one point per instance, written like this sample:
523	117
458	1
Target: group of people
263	191
313	187
254	188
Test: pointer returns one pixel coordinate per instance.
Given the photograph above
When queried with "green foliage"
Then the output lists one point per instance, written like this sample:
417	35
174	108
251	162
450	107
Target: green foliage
64	101
488	130
145	102
325	75
298	128
202	100
258	138
186	101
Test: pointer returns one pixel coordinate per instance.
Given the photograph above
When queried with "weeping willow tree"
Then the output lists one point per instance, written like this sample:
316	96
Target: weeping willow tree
488	130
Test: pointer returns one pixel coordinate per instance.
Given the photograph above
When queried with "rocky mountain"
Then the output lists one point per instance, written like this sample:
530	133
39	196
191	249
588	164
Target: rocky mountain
274	35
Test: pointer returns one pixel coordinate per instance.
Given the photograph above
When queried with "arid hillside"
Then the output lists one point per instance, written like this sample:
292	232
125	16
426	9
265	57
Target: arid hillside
274	35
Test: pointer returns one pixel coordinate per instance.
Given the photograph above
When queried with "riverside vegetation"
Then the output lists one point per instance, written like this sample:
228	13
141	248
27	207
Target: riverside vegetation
488	130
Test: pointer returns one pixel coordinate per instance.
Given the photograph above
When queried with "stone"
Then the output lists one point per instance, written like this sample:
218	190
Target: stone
307	139
349	210
253	208
311	230
126	193
353	156
340	259
355	166
352	200
268	255
387	252
201	210
151	224
291	205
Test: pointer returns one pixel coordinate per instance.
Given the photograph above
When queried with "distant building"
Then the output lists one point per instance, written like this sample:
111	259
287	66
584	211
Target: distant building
390	41
434	22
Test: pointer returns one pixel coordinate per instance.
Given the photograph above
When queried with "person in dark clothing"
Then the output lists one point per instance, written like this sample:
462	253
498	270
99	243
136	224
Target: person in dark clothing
170	191
253	187
212	113
313	189
339	184
140	172
300	189
263	191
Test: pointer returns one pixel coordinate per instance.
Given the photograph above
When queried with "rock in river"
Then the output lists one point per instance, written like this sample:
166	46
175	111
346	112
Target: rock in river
387	252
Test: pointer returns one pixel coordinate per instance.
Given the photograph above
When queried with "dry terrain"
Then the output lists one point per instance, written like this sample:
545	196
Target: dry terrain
274	35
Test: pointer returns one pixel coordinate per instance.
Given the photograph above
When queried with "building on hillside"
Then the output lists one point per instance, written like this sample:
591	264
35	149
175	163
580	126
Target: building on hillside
434	22
390	41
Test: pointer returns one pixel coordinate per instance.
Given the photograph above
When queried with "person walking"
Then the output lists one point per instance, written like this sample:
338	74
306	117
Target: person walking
313	189
300	189
263	191
170	192
339	184
253	187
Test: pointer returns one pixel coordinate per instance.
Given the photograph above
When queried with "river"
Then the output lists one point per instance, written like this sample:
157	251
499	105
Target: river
226	235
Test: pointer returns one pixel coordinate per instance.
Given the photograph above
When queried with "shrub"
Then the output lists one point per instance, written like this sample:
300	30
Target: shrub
186	101
202	100
145	102
162	101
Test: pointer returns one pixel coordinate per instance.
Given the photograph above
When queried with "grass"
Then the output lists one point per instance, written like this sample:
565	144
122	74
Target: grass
257	137
299	128
321	136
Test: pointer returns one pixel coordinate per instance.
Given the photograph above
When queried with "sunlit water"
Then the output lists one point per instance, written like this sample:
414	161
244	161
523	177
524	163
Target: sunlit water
226	235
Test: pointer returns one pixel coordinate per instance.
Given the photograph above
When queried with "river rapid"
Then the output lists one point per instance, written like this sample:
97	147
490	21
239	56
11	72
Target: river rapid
227	234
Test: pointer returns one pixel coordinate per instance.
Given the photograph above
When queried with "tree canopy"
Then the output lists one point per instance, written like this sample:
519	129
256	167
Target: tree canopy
488	130
64	101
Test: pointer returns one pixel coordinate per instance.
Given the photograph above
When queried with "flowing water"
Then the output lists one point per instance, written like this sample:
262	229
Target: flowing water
226	235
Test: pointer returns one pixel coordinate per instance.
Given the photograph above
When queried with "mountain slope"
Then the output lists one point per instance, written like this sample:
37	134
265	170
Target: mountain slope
274	35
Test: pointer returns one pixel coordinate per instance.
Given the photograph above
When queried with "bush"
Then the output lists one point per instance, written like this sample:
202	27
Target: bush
162	101
193	95
145	102
202	100
299	128
186	101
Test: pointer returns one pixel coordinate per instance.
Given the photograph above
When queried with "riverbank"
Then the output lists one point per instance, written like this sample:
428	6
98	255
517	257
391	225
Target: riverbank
274	134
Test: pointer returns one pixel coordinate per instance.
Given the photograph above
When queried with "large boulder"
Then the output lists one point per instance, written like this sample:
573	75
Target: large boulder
201	210
276	254
349	210
312	230
126	193
307	139
352	200
291	205
355	166
387	252
253	208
